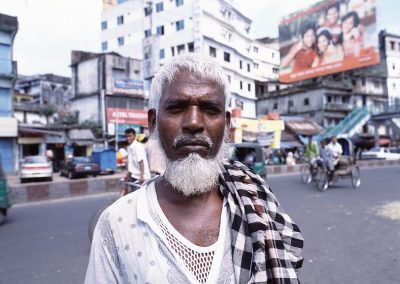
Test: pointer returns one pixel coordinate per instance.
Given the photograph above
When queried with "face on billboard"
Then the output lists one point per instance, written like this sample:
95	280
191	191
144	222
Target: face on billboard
329	37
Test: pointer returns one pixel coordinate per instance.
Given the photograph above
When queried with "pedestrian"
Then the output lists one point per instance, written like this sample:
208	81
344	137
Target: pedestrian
137	165
206	219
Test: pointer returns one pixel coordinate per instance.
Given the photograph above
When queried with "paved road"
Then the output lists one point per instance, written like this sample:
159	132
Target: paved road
346	241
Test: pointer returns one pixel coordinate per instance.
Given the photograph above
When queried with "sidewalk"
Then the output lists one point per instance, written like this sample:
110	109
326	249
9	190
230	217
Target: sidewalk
63	188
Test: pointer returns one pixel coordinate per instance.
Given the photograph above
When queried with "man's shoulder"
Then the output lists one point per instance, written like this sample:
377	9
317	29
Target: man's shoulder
126	205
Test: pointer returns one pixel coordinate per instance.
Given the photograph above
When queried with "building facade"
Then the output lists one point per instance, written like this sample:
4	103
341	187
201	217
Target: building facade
159	30
8	73
391	46
107	89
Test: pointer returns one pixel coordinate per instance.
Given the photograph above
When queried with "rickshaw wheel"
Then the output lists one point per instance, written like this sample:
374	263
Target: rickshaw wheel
306	174
321	180
355	176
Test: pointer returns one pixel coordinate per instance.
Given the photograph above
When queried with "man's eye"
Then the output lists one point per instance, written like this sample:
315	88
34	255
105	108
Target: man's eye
175	108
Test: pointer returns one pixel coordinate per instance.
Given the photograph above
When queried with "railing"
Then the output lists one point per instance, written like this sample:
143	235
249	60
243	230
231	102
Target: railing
347	124
338	106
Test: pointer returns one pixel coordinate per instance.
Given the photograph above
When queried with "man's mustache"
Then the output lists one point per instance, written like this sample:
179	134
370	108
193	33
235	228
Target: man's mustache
198	139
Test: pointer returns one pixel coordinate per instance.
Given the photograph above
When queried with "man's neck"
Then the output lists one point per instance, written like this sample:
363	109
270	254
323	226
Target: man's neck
197	218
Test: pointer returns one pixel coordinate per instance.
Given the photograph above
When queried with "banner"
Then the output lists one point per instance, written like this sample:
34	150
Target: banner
329	37
127	116
110	3
129	87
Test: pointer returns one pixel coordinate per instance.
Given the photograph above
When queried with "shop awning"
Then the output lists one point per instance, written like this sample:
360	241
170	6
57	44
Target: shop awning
303	127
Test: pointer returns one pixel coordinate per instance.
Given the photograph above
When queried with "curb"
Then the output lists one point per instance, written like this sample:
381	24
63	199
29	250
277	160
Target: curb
24	193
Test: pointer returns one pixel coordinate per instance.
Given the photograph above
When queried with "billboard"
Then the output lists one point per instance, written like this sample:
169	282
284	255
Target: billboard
124	115
129	87
111	3
330	36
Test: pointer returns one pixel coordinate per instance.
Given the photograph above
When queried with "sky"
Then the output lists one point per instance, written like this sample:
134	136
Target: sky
50	29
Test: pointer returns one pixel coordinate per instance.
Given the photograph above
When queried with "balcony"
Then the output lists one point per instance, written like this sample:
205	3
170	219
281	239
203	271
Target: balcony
338	107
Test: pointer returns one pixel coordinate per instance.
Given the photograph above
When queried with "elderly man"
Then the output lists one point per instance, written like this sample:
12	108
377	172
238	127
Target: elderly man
205	220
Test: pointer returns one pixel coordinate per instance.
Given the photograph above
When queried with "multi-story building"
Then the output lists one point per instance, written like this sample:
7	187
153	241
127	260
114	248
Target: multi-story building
158	30
331	98
107	89
8	73
44	89
391	46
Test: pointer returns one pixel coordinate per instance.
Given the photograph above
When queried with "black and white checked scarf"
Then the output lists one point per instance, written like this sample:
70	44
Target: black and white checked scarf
266	243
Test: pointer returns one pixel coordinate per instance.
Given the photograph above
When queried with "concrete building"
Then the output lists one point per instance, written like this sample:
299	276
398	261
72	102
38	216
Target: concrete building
44	89
158	30
329	99
107	89
391	46
8	73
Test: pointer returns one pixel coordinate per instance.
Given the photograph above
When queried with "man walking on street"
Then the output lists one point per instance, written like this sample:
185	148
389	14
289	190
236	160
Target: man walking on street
137	164
206	219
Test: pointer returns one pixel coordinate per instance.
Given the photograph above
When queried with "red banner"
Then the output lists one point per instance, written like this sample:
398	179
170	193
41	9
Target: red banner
123	115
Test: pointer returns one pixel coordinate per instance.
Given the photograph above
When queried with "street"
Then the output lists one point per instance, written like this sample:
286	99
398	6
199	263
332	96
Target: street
346	241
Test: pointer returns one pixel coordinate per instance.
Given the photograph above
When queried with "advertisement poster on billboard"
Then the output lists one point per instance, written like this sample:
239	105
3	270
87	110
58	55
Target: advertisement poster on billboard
330	36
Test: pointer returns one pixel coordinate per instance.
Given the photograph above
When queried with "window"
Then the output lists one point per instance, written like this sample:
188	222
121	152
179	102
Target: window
392	45
363	82
190	47
227	57
241	85
290	103
213	51
120	20
104	45
275	70
229	78
273	54
173	51
121	41
393	66
162	53
248	67
275	105
255	49
255	65
147	33
249	87
329	99
159	7
104	25
180	25
147	11
306	102
160	30
180	48
240	64
394	85
179	3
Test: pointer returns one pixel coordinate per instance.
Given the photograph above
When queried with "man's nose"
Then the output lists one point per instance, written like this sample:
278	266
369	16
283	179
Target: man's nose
193	121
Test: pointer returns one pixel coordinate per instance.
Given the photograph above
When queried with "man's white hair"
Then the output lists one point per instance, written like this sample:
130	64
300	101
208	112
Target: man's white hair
201	66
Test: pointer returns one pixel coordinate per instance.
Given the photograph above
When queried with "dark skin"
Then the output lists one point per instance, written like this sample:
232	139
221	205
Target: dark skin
190	106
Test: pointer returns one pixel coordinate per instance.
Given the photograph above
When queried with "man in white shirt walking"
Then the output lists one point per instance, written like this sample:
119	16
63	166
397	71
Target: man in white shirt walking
137	164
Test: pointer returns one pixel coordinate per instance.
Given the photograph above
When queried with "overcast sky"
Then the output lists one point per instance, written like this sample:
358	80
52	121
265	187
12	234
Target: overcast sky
50	29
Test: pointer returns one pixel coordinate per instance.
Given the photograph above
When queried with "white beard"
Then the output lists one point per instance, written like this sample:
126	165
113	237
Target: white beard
195	175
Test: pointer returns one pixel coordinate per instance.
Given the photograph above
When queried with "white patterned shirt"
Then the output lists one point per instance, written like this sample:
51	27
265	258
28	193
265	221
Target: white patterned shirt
135	243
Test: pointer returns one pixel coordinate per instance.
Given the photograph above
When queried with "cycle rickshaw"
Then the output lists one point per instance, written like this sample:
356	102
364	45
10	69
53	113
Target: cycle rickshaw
346	168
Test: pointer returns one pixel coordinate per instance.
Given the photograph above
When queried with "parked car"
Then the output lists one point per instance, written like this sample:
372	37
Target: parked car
252	155
79	166
380	153
35	167
4	200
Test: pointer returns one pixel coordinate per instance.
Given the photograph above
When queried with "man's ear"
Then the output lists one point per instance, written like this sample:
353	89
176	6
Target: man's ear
152	119
228	119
